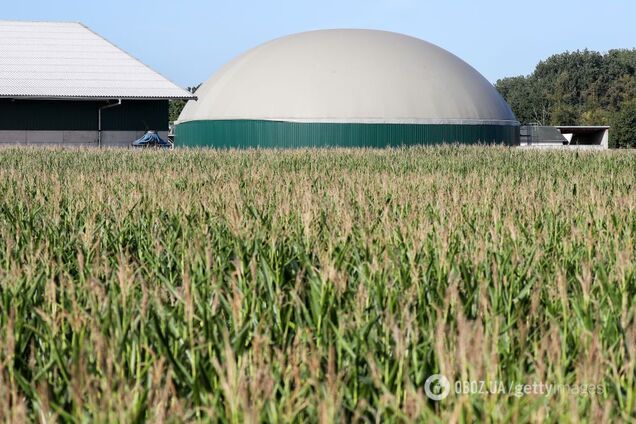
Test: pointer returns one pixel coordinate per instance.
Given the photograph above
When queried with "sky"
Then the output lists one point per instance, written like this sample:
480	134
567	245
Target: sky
188	40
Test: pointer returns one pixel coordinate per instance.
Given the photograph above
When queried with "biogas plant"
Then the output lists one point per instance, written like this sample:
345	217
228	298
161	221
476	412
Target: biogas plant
63	84
352	88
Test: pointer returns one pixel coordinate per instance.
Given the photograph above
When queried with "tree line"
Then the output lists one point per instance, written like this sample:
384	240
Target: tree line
579	88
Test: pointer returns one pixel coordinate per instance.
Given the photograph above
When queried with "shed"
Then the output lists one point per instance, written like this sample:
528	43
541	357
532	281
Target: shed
63	84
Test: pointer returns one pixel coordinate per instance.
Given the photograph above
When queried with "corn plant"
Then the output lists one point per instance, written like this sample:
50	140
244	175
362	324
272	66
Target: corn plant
315	285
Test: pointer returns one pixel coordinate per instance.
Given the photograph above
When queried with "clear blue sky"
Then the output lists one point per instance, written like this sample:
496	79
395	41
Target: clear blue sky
187	40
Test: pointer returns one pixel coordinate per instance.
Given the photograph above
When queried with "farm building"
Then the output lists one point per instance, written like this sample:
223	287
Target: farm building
346	88
590	137
60	83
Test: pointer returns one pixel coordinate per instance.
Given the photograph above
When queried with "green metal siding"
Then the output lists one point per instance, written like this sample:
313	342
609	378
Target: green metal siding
253	133
81	115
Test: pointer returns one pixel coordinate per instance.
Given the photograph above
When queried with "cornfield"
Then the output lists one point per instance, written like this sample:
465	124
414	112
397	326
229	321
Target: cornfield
316	285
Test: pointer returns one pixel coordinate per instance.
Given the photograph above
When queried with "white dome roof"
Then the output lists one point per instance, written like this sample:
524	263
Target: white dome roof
361	76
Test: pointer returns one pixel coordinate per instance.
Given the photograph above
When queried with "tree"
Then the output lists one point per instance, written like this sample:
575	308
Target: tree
578	88
176	106
623	133
621	91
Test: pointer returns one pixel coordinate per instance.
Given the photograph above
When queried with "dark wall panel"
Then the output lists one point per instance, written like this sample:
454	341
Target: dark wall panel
78	115
47	115
137	115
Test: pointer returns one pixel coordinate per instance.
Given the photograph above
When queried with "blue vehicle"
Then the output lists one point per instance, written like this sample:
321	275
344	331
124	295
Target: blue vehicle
152	139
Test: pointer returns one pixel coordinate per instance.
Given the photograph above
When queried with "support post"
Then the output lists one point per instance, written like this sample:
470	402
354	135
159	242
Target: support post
99	121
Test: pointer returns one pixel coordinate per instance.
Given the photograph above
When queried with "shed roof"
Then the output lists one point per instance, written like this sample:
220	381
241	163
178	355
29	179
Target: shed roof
68	60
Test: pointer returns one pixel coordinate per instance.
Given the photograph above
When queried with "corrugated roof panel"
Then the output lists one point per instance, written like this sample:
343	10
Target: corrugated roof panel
68	60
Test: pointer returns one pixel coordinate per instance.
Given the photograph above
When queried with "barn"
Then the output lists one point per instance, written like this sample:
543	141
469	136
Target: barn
63	84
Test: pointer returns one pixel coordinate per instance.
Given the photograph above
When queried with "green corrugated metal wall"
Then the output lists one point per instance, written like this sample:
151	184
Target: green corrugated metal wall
253	133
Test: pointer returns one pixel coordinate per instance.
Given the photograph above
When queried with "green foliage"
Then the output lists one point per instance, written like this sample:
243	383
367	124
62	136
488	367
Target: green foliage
176	106
315	286
624	125
577	88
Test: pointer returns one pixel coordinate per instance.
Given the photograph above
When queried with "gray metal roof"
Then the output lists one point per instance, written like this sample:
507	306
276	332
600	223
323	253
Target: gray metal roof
68	60
360	76
583	128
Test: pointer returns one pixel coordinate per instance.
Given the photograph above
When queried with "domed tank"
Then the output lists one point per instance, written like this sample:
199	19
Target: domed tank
348	88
